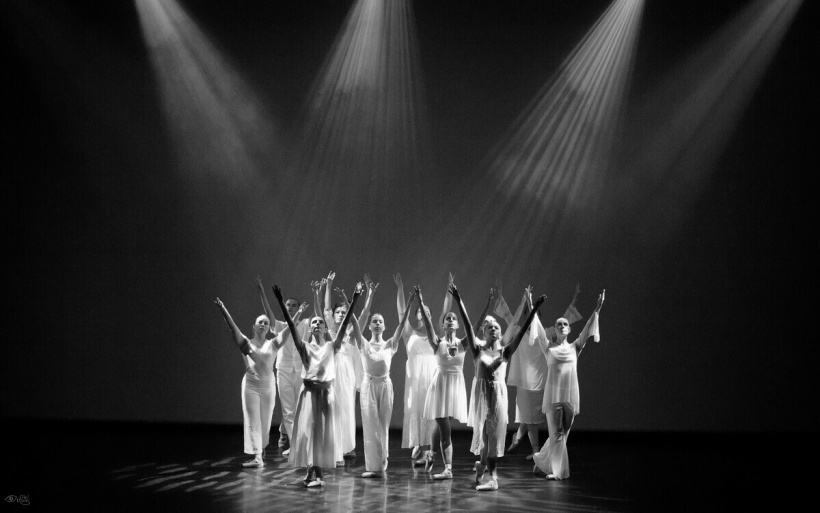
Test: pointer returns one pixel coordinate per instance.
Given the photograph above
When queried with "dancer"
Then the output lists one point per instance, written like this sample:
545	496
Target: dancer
376	399
417	431
312	445
447	396
528	369
258	385
288	365
561	394
488	404
349	372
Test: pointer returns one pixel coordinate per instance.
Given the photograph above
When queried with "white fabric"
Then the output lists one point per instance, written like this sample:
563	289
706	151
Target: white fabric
420	367
258	401
562	375
288	357
289	383
488	404
377	407
553	457
447	395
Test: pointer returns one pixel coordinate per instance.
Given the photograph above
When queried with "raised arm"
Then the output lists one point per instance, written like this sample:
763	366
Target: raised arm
358	338
480	322
317	286
397	335
470	338
340	335
241	340
512	327
432	336
265	304
297	339
368	300
509	349
400	304
591	328
329	290
448	304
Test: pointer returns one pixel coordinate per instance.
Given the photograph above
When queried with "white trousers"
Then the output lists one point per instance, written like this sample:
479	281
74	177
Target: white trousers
376	400
553	458
289	383
258	401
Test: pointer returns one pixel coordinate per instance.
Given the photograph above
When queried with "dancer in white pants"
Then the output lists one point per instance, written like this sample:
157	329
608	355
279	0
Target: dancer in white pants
562	400
258	384
376	397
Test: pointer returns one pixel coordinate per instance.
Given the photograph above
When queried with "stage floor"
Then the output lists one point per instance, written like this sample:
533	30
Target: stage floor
144	467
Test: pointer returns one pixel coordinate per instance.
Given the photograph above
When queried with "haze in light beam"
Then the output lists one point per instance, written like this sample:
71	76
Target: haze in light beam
550	167
362	133
214	117
689	119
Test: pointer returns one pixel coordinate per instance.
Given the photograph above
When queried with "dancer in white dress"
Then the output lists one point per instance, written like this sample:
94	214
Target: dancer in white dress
349	372
258	384
313	443
528	368
488	404
562	400
417	432
376	399
447	396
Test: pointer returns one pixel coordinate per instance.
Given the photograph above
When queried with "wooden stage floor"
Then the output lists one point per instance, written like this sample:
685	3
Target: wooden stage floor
57	466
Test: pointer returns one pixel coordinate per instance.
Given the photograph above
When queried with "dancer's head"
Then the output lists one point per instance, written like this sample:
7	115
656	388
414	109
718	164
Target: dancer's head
292	305
262	325
562	327
339	311
491	329
377	323
318	329
420	315
450	322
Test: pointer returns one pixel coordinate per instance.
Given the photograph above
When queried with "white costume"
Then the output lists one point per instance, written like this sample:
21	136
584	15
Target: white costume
420	367
562	400
488	402
528	369
447	394
348	380
377	403
258	396
312	443
289	374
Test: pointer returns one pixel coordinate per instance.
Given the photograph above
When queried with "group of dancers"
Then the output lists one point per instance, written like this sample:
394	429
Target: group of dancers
323	361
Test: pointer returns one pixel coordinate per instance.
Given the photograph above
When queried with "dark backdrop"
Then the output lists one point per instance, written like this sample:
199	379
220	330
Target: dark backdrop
115	256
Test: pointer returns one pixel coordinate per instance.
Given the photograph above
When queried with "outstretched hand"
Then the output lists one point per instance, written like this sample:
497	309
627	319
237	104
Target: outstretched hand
259	283
540	301
600	300
397	280
218	302
277	292
452	289
450	279
369	284
357	291
416	292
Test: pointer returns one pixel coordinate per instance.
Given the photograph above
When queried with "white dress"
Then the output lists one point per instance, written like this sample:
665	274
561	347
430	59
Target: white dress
488	402
348	379
421	365
447	395
313	440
